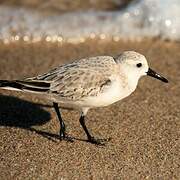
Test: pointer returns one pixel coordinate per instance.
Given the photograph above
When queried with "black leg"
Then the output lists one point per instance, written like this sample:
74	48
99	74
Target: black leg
82	122
63	135
91	139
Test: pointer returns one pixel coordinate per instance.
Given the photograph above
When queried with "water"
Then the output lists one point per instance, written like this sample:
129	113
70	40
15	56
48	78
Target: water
143	18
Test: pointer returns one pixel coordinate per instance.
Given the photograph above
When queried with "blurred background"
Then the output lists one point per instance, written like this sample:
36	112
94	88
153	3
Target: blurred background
66	20
37	35
60	6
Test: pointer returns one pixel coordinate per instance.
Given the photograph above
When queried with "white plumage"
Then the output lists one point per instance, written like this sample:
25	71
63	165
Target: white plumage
87	83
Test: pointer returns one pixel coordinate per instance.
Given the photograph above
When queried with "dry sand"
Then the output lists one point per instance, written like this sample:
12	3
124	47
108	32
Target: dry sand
145	127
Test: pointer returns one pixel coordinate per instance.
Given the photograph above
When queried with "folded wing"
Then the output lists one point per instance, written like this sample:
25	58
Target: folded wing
80	79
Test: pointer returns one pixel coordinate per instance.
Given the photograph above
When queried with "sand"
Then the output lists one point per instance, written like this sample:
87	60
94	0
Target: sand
145	127
62	6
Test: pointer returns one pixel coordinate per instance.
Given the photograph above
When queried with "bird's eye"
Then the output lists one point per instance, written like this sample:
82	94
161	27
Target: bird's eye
139	65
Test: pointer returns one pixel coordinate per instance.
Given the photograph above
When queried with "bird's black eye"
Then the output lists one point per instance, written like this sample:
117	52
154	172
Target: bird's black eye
139	65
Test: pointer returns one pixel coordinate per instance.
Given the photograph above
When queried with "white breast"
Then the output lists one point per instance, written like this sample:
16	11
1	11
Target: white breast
115	92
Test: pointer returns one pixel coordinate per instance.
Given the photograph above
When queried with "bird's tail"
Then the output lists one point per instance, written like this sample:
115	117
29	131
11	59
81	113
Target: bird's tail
25	85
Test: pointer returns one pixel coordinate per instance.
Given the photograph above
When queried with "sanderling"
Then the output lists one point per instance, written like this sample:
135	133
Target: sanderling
87	83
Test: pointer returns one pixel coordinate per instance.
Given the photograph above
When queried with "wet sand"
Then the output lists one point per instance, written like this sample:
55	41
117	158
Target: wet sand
145	127
60	6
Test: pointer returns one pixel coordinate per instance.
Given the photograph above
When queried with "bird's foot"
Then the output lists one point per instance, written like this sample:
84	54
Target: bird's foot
97	141
65	137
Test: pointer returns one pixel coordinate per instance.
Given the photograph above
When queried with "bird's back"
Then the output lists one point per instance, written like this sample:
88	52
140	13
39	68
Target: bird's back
86	77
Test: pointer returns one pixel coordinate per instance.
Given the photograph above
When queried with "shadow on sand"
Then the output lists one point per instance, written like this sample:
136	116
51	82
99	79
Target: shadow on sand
15	112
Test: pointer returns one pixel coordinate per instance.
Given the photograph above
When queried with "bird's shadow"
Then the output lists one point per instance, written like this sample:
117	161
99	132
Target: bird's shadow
15	112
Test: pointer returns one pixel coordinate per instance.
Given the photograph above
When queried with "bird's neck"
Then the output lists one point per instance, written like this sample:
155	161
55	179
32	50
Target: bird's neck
131	80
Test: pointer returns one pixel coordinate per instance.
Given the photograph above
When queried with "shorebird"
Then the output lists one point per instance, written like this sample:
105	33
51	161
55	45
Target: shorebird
87	83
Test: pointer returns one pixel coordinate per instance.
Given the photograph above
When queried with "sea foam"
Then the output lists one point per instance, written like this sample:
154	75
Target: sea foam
143	18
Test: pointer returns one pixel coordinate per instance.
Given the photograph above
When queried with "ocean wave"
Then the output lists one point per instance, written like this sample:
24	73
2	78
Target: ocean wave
143	18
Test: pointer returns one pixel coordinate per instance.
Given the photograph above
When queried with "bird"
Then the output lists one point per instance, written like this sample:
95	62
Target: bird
87	83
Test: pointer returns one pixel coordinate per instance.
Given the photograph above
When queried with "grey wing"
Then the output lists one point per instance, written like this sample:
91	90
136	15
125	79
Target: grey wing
87	77
83	85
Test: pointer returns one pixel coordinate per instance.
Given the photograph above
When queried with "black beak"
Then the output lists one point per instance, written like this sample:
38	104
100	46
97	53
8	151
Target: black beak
156	75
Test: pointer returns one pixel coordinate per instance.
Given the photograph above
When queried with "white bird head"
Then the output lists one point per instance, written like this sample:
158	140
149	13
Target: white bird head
135	65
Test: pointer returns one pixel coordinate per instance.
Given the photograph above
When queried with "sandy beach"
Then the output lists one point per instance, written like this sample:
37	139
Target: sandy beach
144	127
